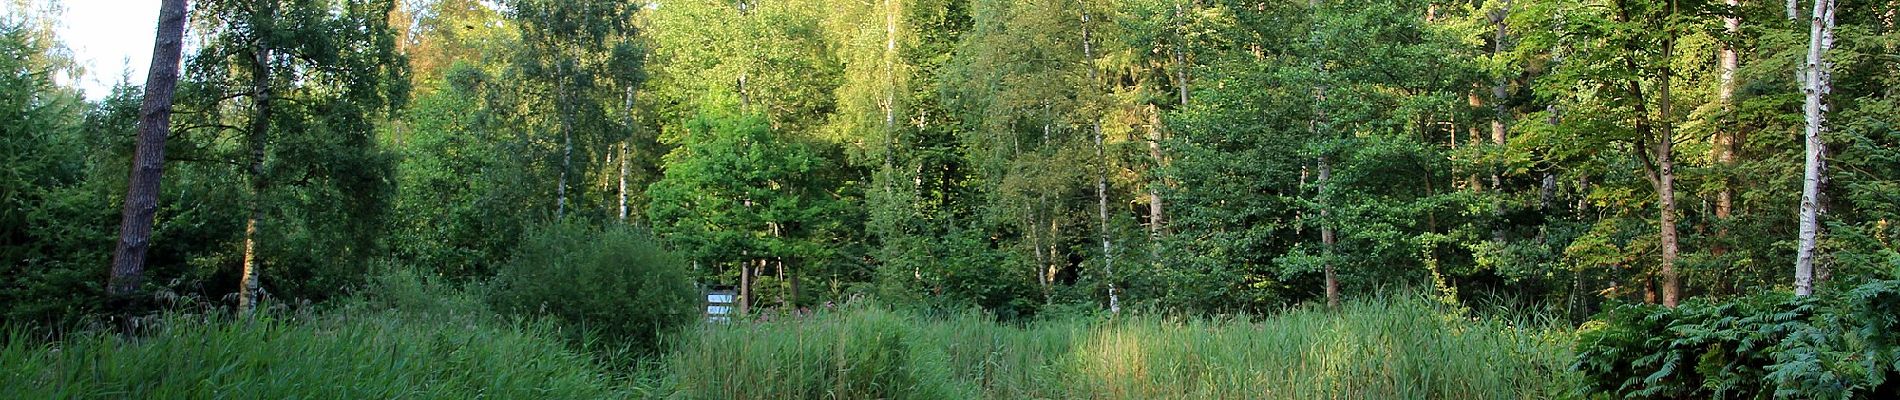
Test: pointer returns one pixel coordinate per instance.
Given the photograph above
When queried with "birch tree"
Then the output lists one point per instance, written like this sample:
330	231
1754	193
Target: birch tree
311	75
1815	84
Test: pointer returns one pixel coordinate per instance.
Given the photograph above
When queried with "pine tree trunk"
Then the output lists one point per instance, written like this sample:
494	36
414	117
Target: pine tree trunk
1816	84
148	160
248	285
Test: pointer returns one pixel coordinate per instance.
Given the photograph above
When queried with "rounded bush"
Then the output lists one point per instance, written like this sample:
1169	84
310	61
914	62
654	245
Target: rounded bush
617	284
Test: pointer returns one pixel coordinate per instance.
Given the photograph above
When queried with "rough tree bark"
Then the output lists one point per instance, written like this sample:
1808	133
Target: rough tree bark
1816	84
148	160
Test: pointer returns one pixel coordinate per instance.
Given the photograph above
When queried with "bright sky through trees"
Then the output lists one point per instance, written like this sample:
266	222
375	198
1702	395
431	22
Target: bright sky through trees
112	39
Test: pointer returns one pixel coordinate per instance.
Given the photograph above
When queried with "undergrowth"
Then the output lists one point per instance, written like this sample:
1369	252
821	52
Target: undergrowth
1403	348
409	336
412	340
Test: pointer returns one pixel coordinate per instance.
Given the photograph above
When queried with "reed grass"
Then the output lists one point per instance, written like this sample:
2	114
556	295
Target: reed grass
1404	348
414	340
419	339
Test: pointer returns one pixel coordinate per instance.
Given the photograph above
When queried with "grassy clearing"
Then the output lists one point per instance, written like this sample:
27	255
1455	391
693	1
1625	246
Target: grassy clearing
1397	349
417	339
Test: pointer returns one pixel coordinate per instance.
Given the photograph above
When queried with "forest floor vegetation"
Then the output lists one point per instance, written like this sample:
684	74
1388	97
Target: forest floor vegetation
419	338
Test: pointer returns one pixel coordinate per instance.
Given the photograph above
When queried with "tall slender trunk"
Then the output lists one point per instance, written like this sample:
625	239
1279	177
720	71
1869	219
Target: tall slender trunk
248	285
1045	271
563	107
148	161
890	83
623	183
1816	83
1328	238
1499	134
1726	137
1473	137
625	152
1101	175
1666	189
1155	218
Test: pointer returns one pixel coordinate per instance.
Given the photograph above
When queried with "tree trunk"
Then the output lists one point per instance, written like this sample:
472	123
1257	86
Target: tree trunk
567	144
745	287
625	151
1155	218
248	285
1328	238
148	161
1101	176
1499	135
623	183
1473	138
1666	188
1723	150
1816	84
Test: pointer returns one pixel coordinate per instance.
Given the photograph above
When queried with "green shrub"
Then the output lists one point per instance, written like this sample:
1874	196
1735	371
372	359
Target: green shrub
618	284
1775	345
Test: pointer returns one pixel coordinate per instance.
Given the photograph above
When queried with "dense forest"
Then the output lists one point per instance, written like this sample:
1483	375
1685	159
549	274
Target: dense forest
1616	198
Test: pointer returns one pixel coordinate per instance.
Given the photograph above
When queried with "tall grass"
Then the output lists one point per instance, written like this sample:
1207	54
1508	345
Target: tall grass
435	347
1385	349
415	338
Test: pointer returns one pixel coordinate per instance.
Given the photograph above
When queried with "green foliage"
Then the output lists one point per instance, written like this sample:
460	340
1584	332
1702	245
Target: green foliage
315	174
463	184
59	161
1774	345
617	283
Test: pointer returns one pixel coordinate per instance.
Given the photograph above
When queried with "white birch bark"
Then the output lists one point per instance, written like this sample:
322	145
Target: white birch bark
1816	85
1101	176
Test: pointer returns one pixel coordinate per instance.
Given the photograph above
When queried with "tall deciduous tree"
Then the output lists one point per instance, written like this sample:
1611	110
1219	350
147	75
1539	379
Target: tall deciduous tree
314	76
581	59
148	161
1815	83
